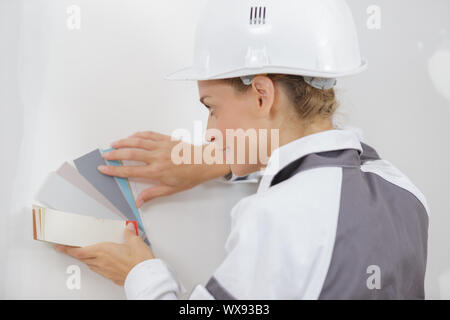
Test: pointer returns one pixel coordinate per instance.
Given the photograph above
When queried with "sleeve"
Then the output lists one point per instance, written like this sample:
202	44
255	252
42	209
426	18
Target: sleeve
152	280
231	178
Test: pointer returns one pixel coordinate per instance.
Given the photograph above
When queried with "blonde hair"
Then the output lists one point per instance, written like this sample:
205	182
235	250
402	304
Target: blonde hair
309	102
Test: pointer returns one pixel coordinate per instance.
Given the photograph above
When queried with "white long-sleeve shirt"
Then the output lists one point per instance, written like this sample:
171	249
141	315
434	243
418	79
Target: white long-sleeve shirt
330	220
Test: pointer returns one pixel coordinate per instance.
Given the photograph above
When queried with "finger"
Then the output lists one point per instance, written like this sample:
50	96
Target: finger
103	272
136	142
77	252
118	282
151	135
96	269
123	171
127	154
62	248
130	232
91	261
152	193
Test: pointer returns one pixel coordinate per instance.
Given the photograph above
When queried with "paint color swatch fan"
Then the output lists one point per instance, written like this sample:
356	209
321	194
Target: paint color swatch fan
82	206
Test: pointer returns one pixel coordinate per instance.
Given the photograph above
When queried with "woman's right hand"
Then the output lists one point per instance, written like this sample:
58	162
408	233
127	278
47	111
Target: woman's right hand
154	150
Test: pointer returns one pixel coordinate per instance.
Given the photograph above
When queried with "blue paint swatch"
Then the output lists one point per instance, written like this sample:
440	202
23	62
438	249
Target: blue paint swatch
125	187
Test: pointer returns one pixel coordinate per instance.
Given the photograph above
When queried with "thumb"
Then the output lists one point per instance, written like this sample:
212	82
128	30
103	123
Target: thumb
152	193
130	231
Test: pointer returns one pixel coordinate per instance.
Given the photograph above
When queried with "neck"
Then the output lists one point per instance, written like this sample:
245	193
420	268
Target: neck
296	131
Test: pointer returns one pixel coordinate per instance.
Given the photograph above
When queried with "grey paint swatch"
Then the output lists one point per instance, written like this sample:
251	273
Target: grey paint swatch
59	194
107	185
71	174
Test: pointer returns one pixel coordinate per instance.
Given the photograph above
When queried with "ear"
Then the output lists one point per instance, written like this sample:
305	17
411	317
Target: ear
264	89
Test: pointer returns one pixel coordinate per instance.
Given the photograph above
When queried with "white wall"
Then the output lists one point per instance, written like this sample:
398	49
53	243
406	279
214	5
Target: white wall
65	92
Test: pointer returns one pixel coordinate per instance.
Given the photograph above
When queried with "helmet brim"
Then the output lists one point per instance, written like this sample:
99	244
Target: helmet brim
193	73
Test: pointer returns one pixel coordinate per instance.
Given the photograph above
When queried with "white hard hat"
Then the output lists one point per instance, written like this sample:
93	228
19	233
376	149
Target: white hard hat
316	39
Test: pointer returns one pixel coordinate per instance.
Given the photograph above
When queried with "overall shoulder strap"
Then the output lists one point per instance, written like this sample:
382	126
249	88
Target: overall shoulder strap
345	158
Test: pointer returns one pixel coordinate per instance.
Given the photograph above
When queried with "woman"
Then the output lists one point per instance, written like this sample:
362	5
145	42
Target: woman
330	219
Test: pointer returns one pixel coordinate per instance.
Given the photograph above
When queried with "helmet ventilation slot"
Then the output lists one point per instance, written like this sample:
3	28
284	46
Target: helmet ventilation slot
257	15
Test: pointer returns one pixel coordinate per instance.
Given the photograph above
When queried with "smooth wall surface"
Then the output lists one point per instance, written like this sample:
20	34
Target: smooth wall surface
65	92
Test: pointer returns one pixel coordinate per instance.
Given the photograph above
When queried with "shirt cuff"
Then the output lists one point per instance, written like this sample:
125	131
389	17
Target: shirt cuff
231	178
152	279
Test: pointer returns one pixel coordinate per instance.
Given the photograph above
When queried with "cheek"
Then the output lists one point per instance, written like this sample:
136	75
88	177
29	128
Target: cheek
226	122
236	116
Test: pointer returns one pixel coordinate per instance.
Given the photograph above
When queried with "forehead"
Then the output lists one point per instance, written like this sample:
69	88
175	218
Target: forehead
213	88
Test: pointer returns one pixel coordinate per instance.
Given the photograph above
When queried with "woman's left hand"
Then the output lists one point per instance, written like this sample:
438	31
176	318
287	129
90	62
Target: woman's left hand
111	260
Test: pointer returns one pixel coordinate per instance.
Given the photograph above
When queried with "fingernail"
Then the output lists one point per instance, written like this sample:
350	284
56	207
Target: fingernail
130	226
114	144
105	155
139	203
102	168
